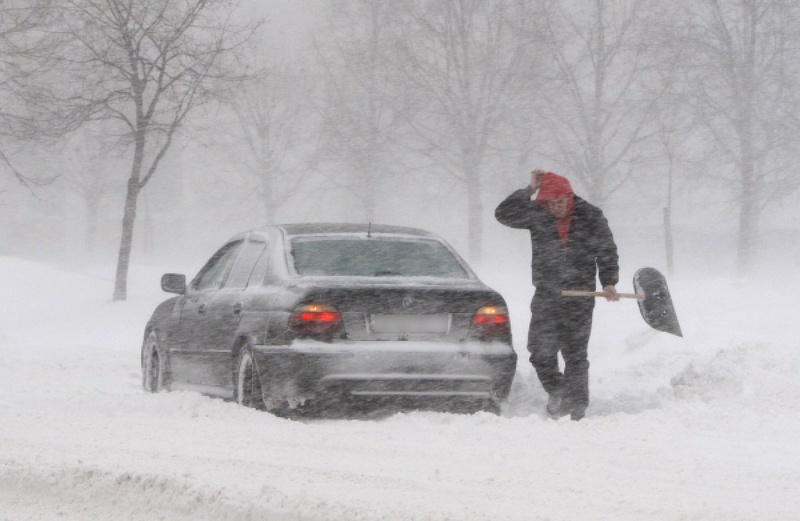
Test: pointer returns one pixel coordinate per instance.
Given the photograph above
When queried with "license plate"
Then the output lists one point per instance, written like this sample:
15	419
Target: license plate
435	323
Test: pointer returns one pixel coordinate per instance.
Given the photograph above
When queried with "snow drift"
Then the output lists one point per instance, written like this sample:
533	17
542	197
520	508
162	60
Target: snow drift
703	427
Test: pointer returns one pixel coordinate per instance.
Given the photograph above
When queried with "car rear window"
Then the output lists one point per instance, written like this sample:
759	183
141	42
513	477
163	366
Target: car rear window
374	257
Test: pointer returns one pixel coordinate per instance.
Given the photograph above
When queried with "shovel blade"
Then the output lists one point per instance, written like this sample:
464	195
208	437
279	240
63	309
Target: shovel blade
656	307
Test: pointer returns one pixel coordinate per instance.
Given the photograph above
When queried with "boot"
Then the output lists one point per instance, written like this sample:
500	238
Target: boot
555	405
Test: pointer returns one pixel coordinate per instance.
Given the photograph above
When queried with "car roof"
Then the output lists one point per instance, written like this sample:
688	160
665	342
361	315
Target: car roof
295	229
311	229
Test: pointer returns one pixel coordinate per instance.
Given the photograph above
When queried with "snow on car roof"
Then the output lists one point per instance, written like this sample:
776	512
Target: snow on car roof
292	230
295	229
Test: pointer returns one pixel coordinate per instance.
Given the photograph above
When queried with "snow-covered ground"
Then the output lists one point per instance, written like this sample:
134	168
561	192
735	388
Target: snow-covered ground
705	427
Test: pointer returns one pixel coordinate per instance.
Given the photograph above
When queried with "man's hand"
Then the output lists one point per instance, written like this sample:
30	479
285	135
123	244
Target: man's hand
611	293
536	179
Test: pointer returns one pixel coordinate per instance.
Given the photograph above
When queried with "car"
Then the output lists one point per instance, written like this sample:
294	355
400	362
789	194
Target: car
297	316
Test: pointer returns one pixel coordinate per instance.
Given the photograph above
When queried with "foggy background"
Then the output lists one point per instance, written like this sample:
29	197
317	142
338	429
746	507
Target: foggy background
425	114
410	112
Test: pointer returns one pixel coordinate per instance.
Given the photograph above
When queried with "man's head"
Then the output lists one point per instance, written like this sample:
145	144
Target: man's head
555	195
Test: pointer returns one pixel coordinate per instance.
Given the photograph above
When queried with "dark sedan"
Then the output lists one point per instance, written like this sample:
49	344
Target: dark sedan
321	314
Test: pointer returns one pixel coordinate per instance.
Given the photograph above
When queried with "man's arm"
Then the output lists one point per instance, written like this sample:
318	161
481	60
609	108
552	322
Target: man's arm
607	258
516	210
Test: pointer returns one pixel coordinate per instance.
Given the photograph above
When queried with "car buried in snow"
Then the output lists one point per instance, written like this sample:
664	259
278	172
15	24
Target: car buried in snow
317	316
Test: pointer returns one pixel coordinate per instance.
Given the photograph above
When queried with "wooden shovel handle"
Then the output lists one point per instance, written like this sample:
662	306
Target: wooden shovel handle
579	293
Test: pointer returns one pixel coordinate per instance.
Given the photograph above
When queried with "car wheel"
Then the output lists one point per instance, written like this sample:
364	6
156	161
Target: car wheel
153	366
248	384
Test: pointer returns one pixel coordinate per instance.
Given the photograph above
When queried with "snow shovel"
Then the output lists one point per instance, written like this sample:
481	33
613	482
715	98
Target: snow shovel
652	295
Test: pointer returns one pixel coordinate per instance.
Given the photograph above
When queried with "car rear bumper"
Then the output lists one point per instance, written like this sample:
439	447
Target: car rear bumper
386	370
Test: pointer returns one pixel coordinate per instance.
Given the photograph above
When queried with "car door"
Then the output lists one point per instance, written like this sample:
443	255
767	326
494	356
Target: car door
224	312
189	362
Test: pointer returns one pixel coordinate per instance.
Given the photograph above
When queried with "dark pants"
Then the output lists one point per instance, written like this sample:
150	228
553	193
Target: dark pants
562	324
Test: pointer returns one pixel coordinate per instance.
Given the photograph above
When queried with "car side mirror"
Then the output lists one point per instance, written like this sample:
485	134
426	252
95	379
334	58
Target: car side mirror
173	283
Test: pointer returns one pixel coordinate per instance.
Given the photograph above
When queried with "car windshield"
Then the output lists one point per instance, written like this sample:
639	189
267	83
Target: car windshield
374	257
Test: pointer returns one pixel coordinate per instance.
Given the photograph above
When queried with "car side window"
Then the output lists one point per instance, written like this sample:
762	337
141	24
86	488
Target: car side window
241	271
261	273
213	274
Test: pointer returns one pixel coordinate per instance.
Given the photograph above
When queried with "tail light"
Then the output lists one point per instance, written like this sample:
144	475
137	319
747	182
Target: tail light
316	320
491	323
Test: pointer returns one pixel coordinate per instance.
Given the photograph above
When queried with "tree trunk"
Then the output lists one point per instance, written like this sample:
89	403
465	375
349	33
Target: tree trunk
475	215
668	238
126	242
748	221
269	212
369	201
268	193
92	211
748	213
366	175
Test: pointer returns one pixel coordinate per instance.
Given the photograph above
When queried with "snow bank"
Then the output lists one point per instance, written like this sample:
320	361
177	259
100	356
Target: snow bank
703	427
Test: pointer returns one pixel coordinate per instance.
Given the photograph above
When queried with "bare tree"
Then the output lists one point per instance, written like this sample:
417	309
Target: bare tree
91	170
21	29
746	55
462	60
673	130
591	101
363	105
149	65
672	120
267	140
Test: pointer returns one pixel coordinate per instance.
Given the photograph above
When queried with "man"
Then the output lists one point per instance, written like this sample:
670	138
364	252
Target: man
571	242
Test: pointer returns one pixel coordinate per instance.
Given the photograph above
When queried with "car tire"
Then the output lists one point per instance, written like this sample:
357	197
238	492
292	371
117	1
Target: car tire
247	384
154	367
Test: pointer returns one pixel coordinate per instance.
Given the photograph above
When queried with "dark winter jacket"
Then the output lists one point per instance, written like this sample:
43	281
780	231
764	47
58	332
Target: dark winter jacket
590	246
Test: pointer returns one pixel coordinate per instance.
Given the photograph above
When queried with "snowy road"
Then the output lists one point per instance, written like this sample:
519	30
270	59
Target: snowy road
704	427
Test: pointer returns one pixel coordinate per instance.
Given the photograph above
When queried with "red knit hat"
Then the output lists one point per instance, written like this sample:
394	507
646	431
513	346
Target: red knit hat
553	187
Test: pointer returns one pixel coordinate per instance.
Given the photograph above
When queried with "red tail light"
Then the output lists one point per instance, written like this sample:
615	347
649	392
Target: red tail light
491	323
492	315
316	320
